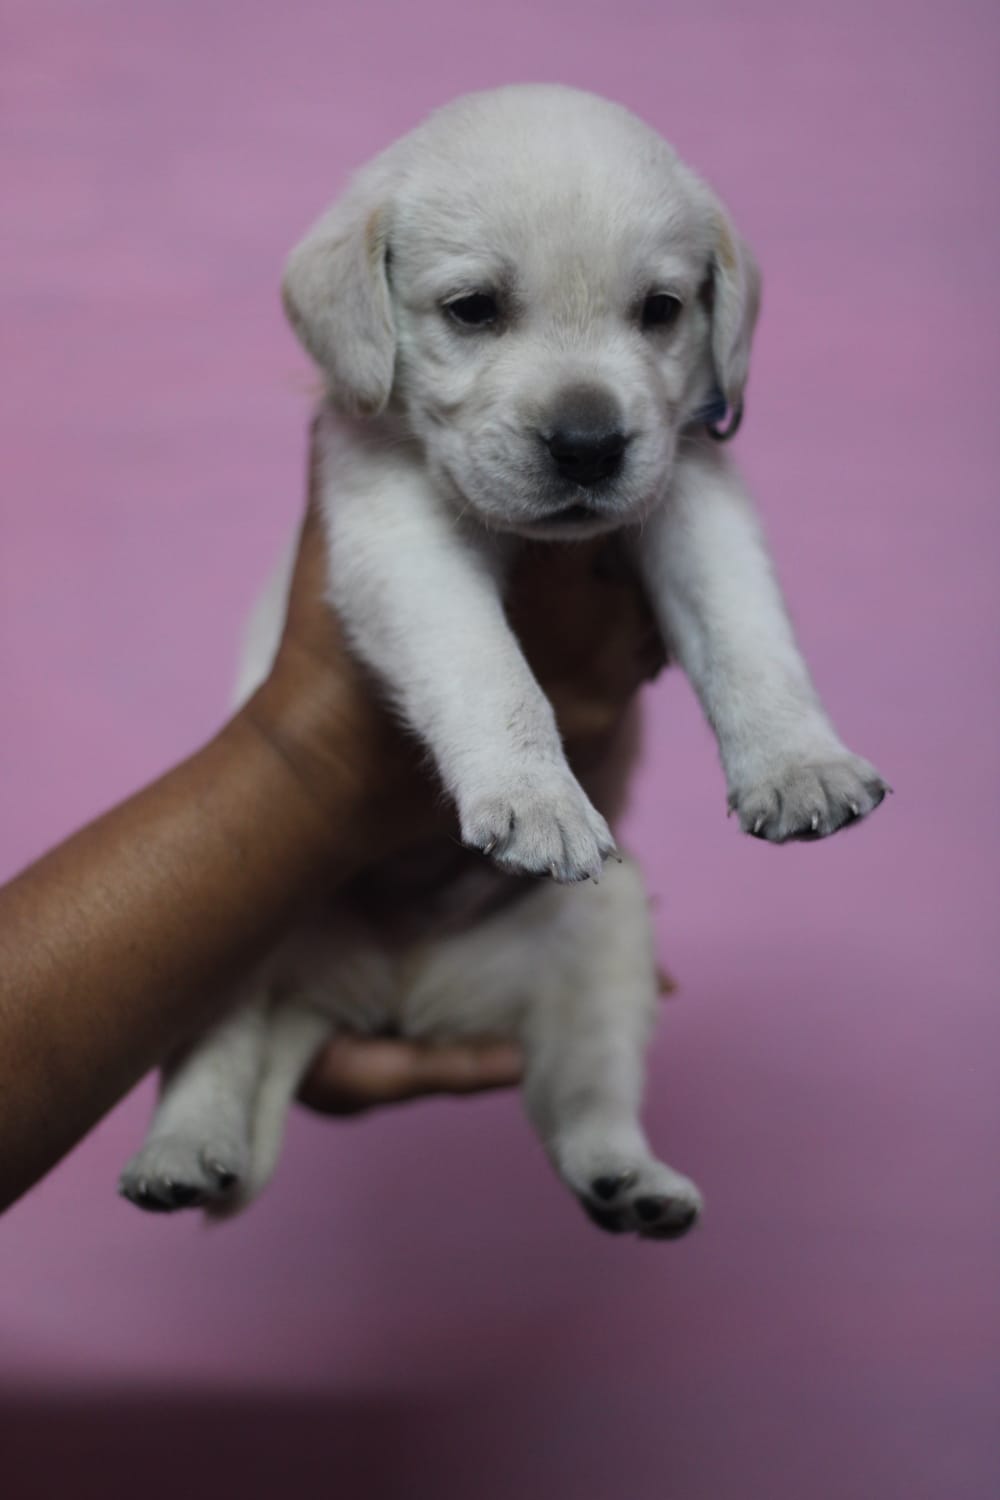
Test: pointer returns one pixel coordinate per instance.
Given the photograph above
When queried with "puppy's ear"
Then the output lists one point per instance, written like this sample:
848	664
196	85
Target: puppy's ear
734	300
336	295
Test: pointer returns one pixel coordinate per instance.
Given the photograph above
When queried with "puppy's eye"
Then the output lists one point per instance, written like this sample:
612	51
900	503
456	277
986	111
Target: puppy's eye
660	310
477	310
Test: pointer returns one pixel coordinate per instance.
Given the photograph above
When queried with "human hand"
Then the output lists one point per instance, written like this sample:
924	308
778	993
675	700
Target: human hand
355	1074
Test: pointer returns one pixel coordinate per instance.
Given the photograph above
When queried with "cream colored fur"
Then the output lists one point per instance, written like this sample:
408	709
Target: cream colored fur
439	453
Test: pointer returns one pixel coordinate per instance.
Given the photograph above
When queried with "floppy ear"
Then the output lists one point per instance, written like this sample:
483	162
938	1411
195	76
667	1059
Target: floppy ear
734	300
336	295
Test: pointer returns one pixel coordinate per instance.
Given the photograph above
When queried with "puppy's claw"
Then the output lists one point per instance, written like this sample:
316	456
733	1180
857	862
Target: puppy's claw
224	1176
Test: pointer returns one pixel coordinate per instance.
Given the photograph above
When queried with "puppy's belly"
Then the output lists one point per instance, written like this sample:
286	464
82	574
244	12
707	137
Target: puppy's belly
439	943
444	920
438	946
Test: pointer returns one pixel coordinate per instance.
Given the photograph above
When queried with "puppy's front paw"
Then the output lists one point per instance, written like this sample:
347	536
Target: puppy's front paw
178	1171
536	820
808	798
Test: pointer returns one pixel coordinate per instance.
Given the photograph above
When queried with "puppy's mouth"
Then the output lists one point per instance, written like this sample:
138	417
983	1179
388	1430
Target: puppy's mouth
573	520
573	515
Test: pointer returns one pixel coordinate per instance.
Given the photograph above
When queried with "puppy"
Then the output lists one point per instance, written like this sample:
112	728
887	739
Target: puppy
533	322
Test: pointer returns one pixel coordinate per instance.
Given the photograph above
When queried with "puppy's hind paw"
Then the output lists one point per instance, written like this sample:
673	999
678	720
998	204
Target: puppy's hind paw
627	1191
173	1172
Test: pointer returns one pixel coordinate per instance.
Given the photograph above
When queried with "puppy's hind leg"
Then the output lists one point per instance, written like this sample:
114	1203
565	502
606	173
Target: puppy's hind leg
219	1124
585	1039
295	1035
198	1148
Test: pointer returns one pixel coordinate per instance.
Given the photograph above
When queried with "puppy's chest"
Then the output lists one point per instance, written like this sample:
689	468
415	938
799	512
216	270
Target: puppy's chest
433	891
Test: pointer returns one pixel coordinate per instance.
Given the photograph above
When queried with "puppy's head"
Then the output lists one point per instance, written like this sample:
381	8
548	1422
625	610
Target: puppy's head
545	296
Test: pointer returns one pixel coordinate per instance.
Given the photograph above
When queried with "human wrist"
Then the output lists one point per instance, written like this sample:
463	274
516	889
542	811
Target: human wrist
323	741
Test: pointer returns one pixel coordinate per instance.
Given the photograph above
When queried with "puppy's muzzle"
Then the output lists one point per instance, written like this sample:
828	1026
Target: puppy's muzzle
585	436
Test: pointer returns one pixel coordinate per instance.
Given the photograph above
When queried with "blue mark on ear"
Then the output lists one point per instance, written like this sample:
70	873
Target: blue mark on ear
712	415
713	412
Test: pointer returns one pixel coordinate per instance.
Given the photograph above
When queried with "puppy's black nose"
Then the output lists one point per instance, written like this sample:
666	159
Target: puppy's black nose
585	439
587	457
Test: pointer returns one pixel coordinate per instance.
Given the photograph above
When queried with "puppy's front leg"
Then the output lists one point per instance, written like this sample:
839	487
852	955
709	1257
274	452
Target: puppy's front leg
713	586
420	596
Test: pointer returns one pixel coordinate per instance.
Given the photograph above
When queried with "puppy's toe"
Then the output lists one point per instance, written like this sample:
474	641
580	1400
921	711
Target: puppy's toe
665	1217
609	1187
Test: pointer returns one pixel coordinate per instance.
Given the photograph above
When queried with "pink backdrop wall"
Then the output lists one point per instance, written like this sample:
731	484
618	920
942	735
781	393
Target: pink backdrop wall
416	1308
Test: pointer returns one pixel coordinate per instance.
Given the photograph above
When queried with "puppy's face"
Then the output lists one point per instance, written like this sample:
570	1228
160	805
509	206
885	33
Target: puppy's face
542	292
552	336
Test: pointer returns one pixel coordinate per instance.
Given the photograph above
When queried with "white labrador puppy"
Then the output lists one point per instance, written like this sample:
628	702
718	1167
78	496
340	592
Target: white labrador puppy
532	319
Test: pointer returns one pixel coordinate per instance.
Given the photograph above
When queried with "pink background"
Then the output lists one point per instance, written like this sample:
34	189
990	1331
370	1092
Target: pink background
416	1308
